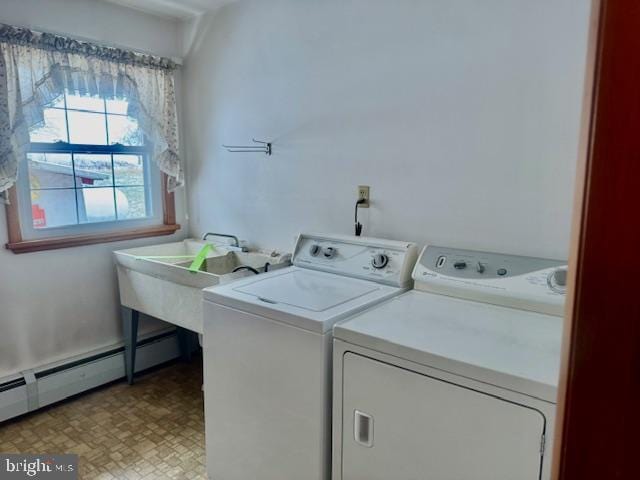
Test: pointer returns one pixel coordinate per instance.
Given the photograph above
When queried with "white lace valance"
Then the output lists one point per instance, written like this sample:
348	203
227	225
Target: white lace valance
36	68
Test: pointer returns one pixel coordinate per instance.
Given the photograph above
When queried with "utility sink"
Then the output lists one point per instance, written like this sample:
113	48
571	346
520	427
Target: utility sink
156	280
223	264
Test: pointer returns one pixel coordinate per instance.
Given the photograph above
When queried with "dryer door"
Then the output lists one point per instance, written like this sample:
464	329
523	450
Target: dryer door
404	425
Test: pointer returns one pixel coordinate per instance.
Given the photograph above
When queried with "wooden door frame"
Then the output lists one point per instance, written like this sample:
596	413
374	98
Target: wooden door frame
599	396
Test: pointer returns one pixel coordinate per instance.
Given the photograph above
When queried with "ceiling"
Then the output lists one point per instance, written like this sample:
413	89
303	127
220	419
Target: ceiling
174	9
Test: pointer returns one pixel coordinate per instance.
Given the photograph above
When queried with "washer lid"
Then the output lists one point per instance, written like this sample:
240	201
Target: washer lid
509	348
305	298
307	290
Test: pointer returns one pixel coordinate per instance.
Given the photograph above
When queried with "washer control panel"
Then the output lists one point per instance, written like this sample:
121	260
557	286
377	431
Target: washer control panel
527	283
384	261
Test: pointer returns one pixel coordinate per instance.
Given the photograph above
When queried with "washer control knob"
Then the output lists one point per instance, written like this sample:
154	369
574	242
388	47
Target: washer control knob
557	280
461	265
480	267
379	260
315	250
329	252
502	271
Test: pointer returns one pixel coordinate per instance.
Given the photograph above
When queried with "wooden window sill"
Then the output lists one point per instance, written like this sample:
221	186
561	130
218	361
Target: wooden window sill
26	246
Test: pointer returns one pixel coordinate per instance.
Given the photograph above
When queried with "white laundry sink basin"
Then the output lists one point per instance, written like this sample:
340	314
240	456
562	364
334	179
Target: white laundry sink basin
224	265
156	280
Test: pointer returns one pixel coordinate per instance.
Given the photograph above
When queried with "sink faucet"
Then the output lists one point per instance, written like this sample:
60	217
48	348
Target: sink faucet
236	247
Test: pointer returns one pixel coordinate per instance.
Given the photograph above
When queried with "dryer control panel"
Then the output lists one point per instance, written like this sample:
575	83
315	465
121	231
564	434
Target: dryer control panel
527	283
383	261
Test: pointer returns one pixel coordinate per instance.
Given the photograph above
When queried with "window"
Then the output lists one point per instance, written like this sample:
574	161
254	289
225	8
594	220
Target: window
88	173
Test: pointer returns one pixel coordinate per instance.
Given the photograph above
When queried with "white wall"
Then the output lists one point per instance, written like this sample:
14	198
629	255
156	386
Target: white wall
462	115
60	303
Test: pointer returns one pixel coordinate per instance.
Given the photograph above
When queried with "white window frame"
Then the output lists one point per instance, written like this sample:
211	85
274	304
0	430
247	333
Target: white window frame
153	193
152	185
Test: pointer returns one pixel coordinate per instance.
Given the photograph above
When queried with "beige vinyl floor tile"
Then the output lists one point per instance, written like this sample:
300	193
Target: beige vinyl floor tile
153	429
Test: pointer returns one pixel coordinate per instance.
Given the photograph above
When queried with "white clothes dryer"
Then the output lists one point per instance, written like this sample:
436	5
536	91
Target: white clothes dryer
456	379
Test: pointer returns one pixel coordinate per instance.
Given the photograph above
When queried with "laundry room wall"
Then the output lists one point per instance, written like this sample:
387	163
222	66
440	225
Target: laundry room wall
462	116
60	303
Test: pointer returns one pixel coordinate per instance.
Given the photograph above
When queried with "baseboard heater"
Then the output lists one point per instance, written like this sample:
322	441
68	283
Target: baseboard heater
33	389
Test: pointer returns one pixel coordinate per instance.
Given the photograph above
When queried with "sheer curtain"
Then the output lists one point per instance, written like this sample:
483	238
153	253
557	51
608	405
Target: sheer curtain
36	68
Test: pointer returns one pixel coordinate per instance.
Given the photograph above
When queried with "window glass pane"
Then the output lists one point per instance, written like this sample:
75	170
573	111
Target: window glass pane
119	106
70	188
87	128
50	170
129	169
93	170
54	128
131	202
124	130
58	102
77	102
96	205
53	208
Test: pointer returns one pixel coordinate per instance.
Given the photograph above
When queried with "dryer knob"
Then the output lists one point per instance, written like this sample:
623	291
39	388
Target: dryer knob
379	260
315	249
557	280
560	277
330	252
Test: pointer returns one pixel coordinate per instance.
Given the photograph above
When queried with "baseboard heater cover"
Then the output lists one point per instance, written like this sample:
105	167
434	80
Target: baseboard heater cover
49	384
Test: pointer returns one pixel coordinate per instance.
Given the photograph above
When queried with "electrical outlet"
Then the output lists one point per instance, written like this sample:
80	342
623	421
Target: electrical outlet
363	193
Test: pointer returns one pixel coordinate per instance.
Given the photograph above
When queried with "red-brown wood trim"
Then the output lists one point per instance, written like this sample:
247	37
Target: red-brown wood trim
13	217
599	395
168	203
27	246
17	245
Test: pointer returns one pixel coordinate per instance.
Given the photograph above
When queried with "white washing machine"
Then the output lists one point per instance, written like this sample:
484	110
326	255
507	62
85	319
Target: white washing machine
267	354
456	379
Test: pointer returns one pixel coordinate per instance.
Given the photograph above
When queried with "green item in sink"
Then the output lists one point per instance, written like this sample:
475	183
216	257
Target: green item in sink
200	258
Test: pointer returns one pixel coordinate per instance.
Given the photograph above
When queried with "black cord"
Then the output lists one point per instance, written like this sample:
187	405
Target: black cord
358	225
246	267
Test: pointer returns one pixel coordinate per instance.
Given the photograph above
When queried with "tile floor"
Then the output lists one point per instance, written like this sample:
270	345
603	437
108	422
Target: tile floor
151	430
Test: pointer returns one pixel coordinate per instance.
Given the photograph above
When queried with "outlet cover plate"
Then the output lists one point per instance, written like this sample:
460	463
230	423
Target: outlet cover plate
363	192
